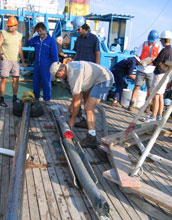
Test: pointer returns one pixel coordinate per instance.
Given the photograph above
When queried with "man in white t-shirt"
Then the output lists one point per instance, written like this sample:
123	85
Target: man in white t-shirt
149	50
87	79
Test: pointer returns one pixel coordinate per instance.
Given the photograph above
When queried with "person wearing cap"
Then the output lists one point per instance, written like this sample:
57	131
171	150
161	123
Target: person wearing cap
120	70
45	54
148	50
164	55
11	48
87	44
89	80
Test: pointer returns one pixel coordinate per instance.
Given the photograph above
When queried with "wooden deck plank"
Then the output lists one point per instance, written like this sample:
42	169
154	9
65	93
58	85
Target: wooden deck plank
32	197
50	197
119	192
79	205
146	191
41	196
115	199
155	178
25	205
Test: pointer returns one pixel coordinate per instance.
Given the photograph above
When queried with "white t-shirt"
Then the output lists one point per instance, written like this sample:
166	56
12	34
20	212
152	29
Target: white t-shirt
82	76
148	68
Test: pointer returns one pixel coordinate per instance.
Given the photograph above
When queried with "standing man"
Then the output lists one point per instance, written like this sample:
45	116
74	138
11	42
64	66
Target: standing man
45	54
10	48
91	79
87	44
159	72
149	49
120	71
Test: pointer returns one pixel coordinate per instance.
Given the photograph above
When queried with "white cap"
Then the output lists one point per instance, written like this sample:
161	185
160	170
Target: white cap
137	58
166	35
59	38
54	68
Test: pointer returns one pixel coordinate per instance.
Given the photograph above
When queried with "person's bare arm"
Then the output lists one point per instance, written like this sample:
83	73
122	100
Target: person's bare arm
74	107
98	57
21	54
31	34
1	42
132	77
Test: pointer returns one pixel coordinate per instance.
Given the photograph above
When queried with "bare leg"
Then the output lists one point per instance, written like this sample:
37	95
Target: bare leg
15	85
2	86
161	104
90	105
135	92
155	105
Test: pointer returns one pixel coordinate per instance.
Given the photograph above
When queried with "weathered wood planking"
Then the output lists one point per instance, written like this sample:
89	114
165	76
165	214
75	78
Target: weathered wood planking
145	190
122	165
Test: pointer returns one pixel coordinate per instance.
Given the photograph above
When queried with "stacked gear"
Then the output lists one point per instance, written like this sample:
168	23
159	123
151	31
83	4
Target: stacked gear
78	22
12	21
153	36
166	35
36	107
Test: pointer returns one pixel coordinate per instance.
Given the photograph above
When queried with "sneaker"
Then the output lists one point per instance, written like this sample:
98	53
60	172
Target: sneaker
159	118
15	99
149	119
116	104
89	142
81	124
3	104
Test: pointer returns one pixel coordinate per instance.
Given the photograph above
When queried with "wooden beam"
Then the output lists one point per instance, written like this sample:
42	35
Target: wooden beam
145	190
141	129
122	164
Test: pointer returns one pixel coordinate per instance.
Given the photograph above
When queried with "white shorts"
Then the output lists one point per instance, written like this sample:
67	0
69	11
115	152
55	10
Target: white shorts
155	82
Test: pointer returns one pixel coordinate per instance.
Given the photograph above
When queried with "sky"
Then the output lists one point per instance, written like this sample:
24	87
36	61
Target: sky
148	15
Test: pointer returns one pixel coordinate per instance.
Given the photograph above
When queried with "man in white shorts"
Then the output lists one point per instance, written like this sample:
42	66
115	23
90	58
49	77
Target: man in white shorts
149	49
11	47
164	55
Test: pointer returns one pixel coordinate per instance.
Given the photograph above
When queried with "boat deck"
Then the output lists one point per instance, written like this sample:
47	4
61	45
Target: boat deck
49	193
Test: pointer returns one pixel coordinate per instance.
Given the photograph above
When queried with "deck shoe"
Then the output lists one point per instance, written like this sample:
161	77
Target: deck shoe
81	124
89	142
116	104
130	107
2	103
147	110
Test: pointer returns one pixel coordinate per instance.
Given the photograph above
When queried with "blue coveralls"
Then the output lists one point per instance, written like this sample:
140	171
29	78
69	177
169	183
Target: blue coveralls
45	54
120	70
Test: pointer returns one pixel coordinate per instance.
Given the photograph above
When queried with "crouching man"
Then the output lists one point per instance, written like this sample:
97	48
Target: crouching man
90	81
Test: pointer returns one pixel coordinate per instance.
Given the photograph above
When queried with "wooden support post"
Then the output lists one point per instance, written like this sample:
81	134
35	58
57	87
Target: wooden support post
122	165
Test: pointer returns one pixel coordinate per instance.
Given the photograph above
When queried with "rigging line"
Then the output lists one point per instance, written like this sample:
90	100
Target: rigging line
152	22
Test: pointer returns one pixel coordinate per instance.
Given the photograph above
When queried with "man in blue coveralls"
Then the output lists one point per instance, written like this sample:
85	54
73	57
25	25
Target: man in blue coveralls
45	54
120	71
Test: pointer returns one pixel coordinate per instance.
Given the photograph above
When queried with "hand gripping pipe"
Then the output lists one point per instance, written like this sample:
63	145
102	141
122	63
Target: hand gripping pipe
98	201
15	197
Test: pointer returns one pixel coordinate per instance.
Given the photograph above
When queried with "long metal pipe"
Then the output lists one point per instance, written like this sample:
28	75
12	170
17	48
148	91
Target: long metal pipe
152	141
98	201
15	197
